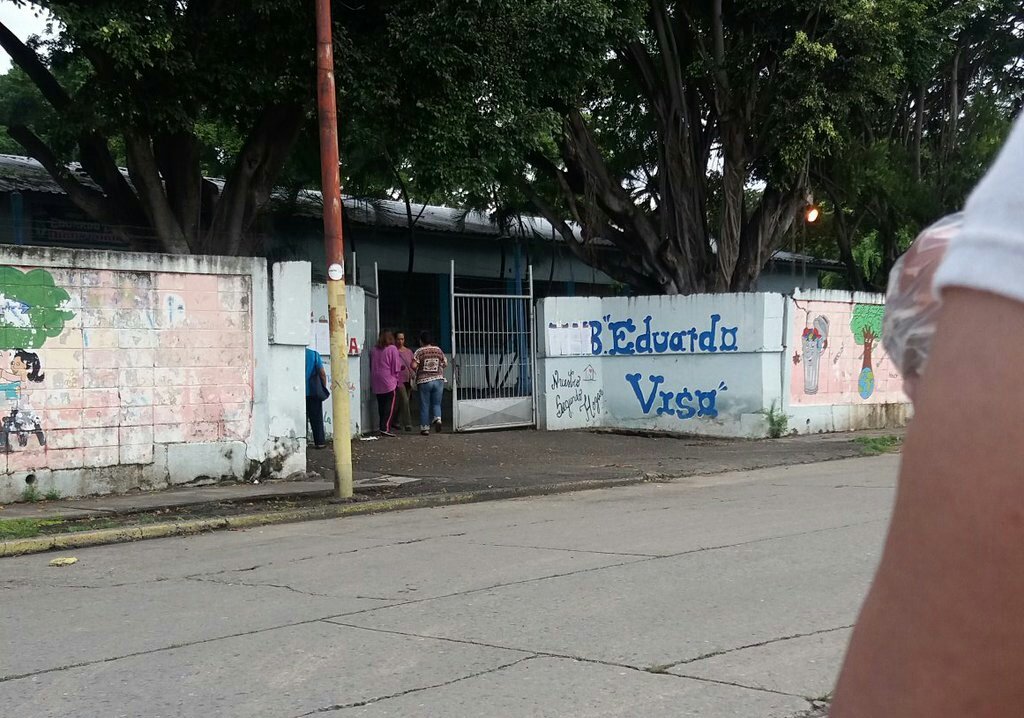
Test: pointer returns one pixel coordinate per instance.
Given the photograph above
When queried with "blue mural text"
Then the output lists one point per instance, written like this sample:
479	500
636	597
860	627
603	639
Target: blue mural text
680	404
623	337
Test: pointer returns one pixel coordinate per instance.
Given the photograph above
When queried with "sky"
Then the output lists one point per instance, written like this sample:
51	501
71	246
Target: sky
23	22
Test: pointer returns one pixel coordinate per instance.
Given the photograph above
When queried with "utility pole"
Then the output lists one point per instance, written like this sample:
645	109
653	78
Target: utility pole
330	181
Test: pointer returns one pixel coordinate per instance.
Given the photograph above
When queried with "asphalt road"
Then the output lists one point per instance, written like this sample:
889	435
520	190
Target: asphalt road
723	596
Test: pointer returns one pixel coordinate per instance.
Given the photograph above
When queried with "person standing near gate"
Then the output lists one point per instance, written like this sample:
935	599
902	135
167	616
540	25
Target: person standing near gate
405	382
429	362
316	394
385	371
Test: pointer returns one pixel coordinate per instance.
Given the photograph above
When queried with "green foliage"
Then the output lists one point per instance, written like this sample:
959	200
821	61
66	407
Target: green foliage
874	445
867	321
53	495
20	103
37	308
466	103
911	150
20	528
28	528
778	421
30	494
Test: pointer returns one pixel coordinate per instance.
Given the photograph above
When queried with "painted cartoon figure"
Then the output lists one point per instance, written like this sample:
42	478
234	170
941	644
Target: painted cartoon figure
22	421
815	342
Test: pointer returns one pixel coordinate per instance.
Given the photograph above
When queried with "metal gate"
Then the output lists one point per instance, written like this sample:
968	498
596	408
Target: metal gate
493	358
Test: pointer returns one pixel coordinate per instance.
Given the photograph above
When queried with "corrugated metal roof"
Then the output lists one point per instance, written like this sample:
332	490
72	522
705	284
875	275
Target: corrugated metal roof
25	174
813	262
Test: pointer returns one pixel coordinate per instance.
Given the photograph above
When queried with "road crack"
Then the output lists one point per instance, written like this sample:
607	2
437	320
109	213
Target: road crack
418	689
760	644
563	656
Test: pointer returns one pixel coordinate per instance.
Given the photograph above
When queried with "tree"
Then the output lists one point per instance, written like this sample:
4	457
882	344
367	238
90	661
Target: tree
645	122
866	326
159	84
914	152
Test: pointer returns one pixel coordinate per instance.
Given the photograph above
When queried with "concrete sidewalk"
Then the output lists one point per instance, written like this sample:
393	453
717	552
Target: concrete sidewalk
413	465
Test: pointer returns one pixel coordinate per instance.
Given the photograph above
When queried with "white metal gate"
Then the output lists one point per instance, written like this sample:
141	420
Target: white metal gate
493	359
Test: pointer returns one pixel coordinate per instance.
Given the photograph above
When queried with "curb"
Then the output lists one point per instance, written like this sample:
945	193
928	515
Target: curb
125	534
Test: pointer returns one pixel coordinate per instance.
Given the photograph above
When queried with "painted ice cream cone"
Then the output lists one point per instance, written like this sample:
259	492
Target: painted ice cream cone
814	341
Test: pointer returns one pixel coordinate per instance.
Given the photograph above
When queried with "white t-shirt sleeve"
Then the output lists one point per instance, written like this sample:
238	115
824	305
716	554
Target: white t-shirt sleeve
988	253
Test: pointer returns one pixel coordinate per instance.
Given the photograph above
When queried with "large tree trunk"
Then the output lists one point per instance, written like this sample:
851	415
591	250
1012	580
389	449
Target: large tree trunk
664	241
168	206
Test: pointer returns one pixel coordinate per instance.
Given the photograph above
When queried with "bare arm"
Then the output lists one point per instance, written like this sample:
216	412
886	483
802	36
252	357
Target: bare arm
323	375
942	631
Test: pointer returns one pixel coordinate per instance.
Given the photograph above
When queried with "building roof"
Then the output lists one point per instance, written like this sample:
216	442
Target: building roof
817	263
24	174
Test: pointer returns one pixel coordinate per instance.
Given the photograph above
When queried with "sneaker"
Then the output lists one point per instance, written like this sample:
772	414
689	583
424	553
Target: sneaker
387	433
437	424
425	432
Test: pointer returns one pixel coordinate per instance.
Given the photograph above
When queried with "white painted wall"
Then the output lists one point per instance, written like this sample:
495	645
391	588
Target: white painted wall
290	297
702	364
355	325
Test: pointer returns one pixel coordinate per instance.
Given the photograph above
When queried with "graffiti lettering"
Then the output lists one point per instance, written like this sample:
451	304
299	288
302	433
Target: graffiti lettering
627	340
579	402
674	403
563	407
569	382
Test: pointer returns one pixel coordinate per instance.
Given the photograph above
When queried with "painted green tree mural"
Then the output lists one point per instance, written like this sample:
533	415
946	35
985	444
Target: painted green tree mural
32	308
866	325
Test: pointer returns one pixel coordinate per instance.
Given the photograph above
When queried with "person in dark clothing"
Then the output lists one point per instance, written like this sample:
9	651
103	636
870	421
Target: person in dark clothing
314	406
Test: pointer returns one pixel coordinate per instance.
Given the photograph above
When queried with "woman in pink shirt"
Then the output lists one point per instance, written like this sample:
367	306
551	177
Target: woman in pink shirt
385	372
405	381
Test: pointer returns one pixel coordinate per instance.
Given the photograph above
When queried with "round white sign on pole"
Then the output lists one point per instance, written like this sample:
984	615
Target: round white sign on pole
336	272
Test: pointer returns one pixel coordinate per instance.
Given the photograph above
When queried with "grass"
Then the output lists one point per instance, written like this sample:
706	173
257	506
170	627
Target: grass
30	494
53	495
778	421
25	528
875	445
30	528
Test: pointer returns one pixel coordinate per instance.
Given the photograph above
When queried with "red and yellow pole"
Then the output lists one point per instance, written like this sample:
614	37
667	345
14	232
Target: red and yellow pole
330	176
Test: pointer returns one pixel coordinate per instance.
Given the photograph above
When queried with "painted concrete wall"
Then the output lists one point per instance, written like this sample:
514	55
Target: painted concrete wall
692	364
123	371
838	375
355	325
706	364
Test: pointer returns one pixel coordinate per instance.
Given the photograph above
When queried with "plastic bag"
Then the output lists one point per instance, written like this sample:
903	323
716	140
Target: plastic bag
911	306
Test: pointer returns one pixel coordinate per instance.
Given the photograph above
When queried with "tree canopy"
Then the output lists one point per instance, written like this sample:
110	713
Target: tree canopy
690	136
163	86
913	154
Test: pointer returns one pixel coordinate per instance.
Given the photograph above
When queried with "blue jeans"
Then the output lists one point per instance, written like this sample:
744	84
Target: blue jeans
430	401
